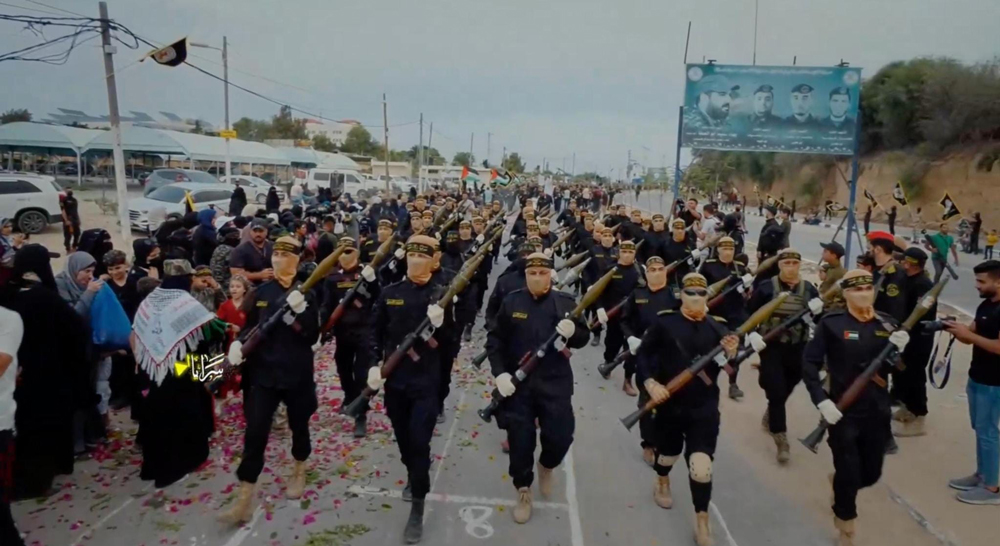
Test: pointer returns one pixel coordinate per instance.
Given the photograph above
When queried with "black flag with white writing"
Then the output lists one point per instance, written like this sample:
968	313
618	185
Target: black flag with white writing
899	195
949	208
171	55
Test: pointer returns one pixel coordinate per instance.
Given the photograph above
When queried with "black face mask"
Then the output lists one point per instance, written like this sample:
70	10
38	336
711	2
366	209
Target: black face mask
157	263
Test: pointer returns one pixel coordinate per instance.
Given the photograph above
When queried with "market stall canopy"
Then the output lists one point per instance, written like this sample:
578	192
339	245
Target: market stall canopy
25	136
137	139
210	148
314	158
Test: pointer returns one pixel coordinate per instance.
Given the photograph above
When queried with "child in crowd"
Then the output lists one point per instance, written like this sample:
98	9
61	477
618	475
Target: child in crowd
991	240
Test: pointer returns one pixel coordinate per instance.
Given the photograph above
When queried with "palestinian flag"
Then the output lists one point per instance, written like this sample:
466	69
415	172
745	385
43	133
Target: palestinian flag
871	199
899	195
503	180
470	174
950	209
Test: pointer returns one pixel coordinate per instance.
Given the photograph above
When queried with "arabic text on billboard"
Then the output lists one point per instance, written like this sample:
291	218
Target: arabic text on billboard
797	109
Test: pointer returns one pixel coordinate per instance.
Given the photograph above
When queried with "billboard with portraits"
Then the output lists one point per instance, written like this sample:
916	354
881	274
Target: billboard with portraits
796	109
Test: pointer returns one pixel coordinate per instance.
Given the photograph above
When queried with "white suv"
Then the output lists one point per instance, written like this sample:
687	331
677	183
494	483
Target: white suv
31	200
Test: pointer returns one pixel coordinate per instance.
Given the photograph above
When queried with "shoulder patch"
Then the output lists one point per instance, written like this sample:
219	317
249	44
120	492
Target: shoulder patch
394	302
891	269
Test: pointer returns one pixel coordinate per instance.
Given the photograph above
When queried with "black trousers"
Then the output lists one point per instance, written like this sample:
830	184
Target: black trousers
353	358
912	380
689	431
647	423
858	446
8	530
449	351
413	414
556	425
780	372
614	341
261	404
71	234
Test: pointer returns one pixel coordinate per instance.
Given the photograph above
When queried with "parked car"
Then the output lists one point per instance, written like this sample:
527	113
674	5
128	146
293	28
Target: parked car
170	200
32	200
339	180
255	188
162	177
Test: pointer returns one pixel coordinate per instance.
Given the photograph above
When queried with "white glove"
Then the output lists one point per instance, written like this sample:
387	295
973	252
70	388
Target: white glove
481	238
747	280
633	344
375	380
547	252
436	314
297	302
829	412
753	360
899	338
555	276
815	306
602	316
338	228
368	273
697	254
400	253
566	328
756	342
505	385
235	353
437	236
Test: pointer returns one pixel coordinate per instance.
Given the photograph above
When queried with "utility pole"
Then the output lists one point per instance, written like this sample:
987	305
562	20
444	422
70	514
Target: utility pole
756	9
116	131
628	168
225	79
574	164
503	158
420	160
430	136
472	139
489	137
385	132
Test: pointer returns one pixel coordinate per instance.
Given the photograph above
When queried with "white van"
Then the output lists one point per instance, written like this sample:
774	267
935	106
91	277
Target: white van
339	180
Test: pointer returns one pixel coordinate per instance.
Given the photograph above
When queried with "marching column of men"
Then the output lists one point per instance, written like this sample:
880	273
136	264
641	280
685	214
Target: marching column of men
658	323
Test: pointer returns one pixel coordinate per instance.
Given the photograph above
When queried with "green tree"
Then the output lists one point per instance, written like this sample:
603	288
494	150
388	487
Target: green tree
323	143
514	163
252	129
464	159
359	141
285	126
198	129
15	114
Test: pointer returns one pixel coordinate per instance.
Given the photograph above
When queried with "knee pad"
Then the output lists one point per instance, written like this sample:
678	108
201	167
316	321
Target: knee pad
701	467
667	460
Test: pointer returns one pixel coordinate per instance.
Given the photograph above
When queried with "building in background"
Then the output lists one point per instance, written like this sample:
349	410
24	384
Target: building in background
336	131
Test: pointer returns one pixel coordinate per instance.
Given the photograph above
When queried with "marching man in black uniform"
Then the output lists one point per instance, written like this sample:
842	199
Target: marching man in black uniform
280	370
781	362
603	254
353	328
639	313
680	245
623	282
689	421
525	320
733	306
411	392
846	341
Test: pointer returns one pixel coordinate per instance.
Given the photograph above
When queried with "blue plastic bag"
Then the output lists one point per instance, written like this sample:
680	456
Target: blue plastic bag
110	324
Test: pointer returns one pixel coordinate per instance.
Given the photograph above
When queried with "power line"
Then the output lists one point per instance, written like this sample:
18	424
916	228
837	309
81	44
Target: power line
55	8
36	10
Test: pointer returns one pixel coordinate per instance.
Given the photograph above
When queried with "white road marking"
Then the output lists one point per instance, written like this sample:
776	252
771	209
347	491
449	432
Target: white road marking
575	527
451	435
722	524
100	523
452	499
919	518
245	530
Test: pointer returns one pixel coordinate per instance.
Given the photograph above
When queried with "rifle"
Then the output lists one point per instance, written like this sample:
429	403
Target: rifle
530	360
261	330
573	275
489	233
423	332
613	312
380	254
870	374
562	239
606	368
680	380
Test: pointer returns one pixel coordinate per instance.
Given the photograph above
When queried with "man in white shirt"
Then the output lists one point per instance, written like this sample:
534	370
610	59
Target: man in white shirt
11	331
709	223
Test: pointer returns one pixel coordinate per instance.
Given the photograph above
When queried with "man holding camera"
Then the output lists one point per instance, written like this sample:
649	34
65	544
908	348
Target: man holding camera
983	389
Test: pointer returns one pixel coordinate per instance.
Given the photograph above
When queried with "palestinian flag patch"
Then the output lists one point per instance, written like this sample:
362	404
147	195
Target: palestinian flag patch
851	336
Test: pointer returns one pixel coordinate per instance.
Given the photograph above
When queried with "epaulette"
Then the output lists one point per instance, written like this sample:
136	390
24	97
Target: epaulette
740	263
665	312
711	260
834	312
718	319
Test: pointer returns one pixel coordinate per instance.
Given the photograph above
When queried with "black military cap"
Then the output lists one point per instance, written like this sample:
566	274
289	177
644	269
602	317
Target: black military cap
915	255
840	91
764	89
835	247
802	88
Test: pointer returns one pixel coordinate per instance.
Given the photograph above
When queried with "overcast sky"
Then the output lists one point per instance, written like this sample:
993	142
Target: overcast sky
546	77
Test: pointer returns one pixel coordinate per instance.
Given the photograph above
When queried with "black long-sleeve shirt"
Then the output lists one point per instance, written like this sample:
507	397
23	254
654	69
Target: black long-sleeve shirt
398	311
732	307
284	359
522	324
642	307
846	345
357	313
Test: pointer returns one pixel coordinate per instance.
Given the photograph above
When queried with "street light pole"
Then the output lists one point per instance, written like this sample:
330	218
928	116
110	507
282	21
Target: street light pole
225	77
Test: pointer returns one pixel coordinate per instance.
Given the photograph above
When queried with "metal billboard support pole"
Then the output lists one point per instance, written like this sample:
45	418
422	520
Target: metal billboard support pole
852	223
677	161
116	131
